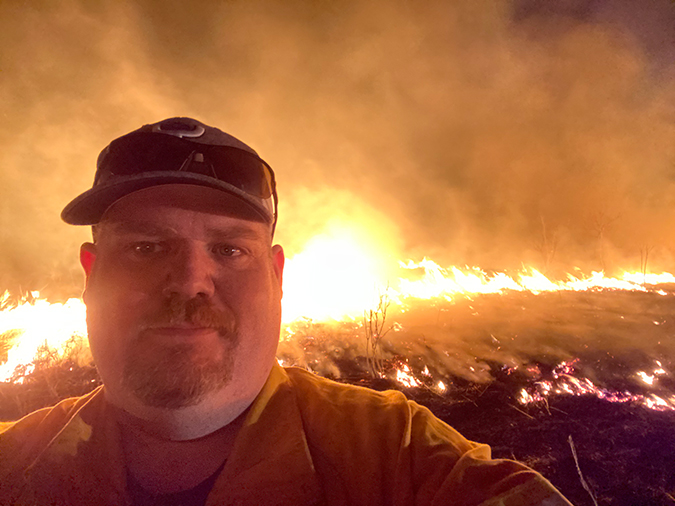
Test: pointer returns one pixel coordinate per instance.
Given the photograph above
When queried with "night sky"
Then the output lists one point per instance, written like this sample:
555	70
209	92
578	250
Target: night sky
487	133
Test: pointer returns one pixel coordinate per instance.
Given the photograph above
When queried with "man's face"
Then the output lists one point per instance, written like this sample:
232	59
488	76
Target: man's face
183	299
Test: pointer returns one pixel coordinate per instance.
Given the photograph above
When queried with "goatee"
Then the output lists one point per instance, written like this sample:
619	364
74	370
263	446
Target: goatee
177	375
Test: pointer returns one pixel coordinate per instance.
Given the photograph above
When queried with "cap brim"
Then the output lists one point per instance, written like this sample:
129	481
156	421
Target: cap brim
89	207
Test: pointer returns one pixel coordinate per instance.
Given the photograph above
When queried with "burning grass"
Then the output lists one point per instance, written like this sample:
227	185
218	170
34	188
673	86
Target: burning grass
52	376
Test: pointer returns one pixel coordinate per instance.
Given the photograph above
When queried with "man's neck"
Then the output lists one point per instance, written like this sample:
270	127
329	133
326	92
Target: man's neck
183	424
162	465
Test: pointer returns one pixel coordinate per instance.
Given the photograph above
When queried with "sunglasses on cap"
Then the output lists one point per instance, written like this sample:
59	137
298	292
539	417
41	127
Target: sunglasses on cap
141	153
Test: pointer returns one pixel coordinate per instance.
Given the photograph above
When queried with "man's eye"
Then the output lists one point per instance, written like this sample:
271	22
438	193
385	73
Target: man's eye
227	251
147	248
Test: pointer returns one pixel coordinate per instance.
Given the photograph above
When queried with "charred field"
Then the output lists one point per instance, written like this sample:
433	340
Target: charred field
578	385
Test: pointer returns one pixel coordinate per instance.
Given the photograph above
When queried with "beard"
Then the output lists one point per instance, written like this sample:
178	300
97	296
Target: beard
178	375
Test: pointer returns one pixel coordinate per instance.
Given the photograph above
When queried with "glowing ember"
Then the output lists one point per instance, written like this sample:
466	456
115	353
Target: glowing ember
566	384
649	378
646	377
405	377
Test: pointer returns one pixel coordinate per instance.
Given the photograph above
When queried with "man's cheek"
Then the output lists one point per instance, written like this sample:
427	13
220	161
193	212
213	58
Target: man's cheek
124	284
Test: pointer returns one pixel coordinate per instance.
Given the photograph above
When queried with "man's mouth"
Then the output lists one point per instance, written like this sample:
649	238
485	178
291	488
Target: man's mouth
181	331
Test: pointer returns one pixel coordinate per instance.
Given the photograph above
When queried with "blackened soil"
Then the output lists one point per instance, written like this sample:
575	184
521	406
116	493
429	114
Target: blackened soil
626	452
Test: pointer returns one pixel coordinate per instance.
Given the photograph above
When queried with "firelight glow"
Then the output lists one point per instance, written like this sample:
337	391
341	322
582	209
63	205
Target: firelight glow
335	277
39	323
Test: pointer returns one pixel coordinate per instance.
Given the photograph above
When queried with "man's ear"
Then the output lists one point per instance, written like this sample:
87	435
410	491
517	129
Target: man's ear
87	257
278	260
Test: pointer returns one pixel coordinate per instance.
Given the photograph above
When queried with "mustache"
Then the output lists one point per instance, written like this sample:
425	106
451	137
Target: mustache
198	311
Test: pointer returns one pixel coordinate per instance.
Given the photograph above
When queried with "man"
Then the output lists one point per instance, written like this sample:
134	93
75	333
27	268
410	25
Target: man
183	295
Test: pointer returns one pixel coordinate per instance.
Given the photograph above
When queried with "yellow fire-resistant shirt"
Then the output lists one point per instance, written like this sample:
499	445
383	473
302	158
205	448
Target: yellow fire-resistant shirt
306	441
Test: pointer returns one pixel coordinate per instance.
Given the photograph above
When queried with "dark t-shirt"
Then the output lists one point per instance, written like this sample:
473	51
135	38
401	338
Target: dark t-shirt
196	496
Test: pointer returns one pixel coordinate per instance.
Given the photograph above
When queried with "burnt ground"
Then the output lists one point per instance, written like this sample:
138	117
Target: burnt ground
626	452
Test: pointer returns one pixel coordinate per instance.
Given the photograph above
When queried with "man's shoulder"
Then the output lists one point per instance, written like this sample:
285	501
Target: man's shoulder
47	417
328	390
364	440
331	400
330	406
22	440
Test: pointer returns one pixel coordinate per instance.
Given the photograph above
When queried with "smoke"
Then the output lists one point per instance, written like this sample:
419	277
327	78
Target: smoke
478	132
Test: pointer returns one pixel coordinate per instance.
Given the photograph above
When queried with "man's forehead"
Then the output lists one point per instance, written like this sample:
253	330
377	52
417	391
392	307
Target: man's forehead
166	227
158	199
179	209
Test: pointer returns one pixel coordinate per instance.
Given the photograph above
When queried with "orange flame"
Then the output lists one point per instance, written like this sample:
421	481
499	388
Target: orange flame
38	323
336	276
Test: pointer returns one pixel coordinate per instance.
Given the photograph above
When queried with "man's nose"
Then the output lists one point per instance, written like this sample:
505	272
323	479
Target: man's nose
191	273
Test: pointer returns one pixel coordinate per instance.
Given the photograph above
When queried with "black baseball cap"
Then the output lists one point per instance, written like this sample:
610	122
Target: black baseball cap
176	150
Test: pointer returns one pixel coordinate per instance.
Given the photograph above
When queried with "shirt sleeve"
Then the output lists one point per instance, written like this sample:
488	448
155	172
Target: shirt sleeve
472	478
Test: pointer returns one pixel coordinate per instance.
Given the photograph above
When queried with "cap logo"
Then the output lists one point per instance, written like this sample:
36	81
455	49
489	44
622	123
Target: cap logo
179	128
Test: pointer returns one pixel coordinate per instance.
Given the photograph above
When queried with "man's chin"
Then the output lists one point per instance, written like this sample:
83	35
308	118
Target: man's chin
177	377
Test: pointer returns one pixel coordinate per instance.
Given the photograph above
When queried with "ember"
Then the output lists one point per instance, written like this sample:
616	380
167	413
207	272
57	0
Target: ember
565	383
405	378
